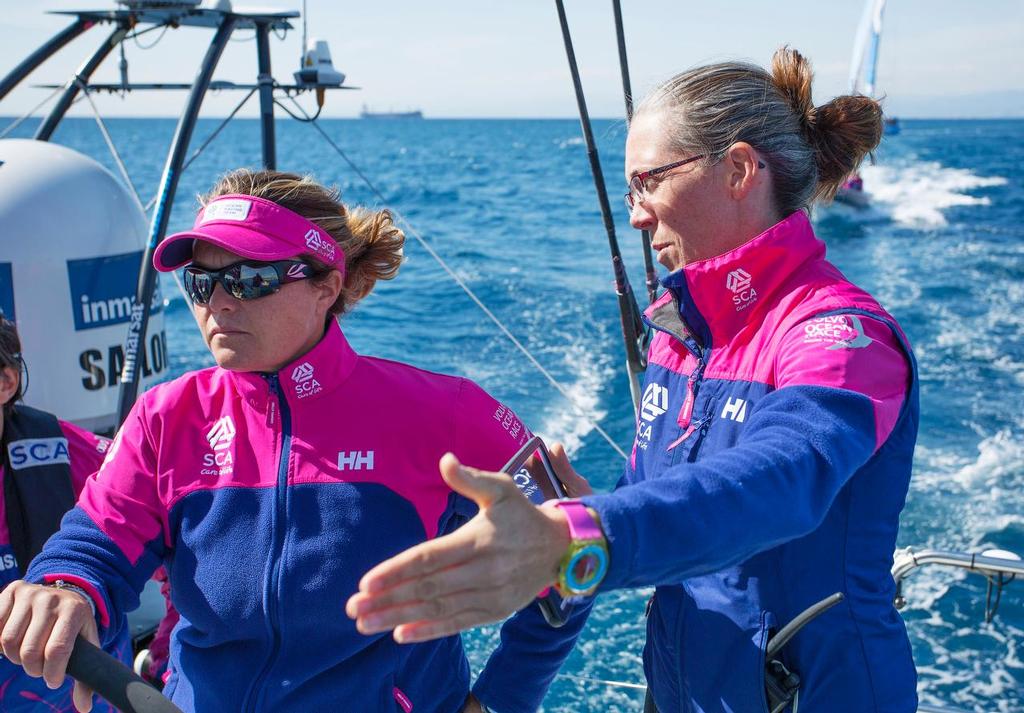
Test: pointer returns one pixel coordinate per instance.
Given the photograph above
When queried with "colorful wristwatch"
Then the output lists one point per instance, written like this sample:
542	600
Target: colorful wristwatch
585	563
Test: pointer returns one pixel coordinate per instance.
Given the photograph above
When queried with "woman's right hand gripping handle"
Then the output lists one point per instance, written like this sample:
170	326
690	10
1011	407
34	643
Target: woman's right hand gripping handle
38	628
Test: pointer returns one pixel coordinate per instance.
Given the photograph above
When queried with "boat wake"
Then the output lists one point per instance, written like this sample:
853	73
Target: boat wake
917	194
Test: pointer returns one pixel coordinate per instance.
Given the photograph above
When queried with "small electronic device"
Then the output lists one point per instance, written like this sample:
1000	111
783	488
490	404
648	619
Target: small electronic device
536	479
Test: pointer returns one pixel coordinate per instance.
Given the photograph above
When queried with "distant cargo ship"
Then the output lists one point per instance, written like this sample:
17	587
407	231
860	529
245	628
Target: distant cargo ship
367	114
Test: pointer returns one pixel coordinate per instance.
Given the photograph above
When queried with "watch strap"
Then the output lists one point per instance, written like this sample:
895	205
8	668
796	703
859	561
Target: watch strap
582	525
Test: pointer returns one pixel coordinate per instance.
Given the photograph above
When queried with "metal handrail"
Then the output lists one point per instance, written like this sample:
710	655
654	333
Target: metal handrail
907	560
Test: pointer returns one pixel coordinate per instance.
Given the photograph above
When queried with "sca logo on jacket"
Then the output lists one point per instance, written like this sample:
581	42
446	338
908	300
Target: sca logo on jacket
30	452
218	461
305	383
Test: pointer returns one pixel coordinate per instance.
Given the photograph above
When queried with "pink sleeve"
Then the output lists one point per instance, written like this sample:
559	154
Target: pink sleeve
122	498
487	433
852	352
86	451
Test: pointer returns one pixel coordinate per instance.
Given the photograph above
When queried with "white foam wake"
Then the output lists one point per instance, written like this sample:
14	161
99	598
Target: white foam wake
565	423
917	194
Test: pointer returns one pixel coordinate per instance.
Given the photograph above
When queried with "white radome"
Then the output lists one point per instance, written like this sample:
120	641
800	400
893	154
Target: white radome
71	241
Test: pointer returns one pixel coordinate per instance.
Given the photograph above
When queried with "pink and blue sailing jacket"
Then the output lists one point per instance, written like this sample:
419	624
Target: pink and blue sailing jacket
771	462
267	497
83	453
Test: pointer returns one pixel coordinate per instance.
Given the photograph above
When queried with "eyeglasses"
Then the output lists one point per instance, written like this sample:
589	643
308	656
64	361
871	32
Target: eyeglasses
638	183
244	280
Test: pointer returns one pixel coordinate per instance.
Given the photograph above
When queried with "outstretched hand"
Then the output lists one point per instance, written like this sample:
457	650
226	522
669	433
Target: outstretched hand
489	568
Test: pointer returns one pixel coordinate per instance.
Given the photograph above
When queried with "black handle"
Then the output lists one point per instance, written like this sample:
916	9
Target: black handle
114	681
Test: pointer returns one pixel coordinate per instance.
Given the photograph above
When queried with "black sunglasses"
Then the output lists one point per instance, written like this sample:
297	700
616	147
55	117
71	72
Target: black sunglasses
244	280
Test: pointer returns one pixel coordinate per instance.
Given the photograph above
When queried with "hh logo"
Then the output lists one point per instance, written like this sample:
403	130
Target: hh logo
222	433
655	402
735	410
355	460
30	452
305	383
319	244
738	282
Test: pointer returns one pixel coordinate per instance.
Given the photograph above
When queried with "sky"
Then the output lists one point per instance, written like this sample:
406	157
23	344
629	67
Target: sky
487	58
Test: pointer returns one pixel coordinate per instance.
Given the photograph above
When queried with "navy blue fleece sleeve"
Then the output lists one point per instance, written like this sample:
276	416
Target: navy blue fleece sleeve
800	446
531	652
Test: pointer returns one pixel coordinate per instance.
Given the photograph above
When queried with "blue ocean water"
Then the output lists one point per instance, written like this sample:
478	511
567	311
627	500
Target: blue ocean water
511	206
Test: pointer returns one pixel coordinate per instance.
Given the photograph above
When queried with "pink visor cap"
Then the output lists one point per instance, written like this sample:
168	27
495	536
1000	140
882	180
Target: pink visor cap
254	228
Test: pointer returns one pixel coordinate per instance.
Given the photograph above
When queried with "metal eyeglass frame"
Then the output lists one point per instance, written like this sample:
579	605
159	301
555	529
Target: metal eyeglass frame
638	183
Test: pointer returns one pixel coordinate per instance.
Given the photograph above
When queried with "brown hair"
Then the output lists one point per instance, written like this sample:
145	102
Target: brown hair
811	150
370	240
10	356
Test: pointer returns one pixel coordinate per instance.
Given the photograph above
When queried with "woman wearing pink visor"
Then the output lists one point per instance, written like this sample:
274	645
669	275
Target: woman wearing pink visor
269	484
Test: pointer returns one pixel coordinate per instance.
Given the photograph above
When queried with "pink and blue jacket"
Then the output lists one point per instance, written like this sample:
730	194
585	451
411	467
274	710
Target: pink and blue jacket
771	462
267	497
83	453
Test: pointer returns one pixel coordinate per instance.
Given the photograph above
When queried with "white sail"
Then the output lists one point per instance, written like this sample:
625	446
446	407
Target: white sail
864	65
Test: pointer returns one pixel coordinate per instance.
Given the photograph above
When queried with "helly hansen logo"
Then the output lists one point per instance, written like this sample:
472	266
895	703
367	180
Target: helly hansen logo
655	402
735	410
305	384
222	433
355	460
319	244
738	282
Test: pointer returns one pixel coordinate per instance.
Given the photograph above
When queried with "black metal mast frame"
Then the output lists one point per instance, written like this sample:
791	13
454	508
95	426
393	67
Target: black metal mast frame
225	23
634	334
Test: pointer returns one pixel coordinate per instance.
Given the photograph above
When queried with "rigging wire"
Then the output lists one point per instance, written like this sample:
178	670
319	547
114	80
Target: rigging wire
602	681
466	288
208	141
17	122
110	144
86	94
299	118
155	42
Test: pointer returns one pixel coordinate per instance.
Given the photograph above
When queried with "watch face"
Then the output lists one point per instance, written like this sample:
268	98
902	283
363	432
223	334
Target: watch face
586	568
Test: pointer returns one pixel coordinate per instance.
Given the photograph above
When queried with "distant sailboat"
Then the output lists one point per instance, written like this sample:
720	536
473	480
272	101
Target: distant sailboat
863	73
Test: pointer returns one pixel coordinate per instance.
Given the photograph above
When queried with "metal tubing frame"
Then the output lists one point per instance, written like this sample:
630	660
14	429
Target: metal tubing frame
629	312
266	83
650	275
135	339
908	560
45	51
78	80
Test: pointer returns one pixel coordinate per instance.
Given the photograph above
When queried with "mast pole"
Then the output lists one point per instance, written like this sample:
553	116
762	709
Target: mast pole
629	313
627	93
45	51
266	82
135	339
79	80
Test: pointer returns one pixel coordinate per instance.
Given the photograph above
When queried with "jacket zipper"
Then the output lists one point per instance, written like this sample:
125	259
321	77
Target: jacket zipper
279	530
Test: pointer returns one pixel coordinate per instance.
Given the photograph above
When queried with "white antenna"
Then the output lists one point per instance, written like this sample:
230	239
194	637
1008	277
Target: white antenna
302	52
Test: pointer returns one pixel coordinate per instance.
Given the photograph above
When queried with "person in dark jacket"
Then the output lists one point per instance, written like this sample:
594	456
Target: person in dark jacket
774	438
44	463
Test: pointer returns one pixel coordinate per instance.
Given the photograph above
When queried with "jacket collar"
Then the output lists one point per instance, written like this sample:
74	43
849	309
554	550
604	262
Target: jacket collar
717	297
311	376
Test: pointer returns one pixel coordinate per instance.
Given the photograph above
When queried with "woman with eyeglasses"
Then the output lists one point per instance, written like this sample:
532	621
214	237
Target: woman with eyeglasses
44	463
775	436
269	484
